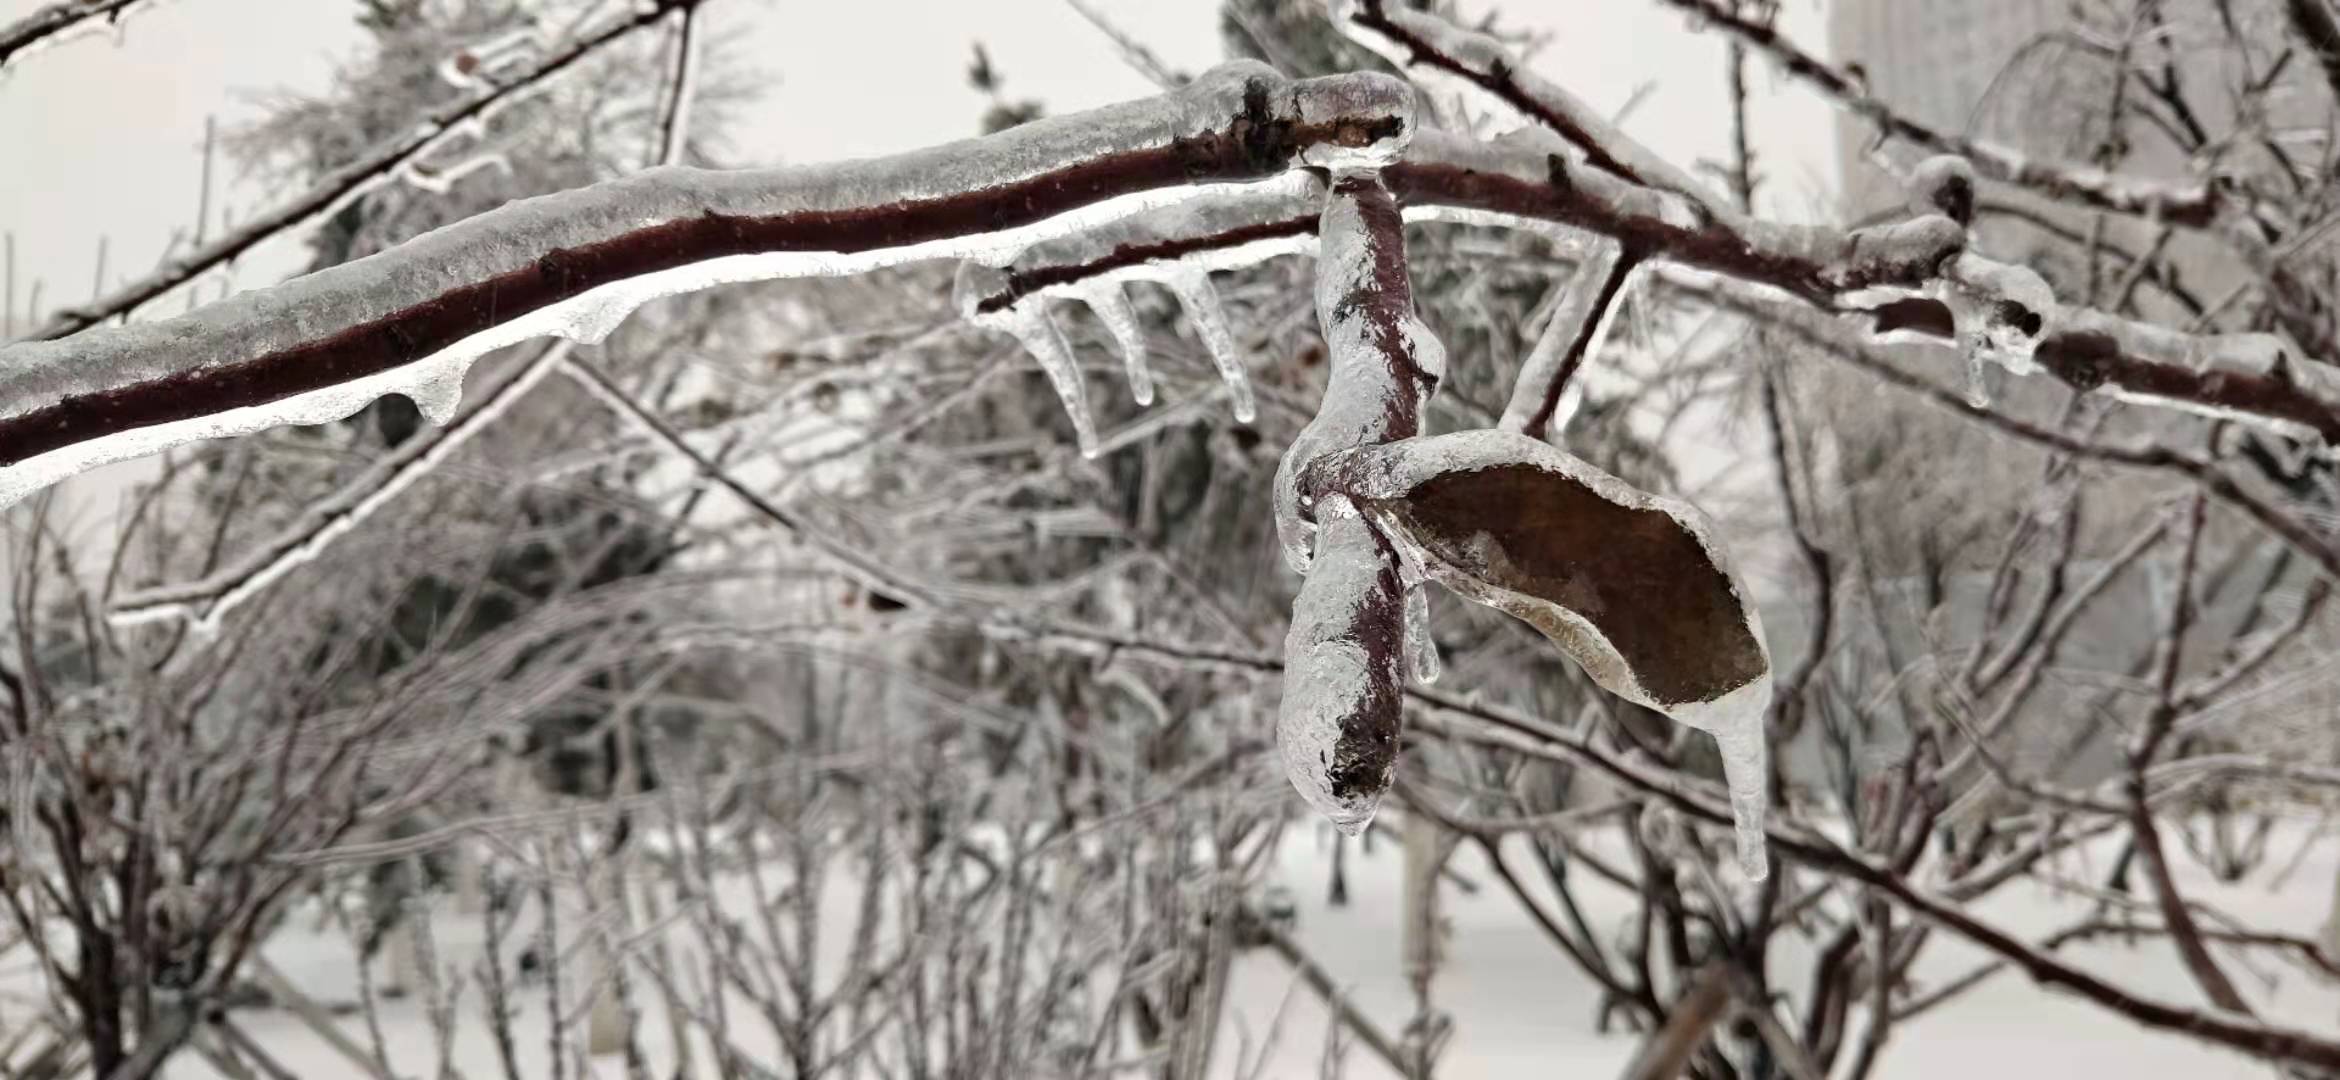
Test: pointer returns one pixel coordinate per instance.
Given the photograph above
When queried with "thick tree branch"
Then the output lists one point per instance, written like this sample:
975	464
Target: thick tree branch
320	346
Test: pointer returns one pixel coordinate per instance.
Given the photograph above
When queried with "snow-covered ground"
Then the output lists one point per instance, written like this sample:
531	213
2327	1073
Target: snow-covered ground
1520	1010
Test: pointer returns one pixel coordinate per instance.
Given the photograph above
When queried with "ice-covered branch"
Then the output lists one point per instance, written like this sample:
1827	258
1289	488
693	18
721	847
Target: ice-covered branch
1825	856
1422	44
1345	658
1578	325
205	601
1848	341
2192	204
58	22
2002	314
574	264
1519	181
389	159
1902	280
1178	246
1524	180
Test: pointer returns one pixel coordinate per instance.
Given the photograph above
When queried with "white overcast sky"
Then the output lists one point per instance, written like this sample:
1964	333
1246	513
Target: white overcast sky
100	137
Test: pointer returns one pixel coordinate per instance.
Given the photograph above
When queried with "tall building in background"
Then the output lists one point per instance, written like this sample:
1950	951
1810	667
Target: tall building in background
2006	72
2011	72
1934	60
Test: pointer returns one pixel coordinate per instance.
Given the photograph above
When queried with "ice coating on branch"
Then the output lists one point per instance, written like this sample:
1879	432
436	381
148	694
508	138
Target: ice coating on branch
1201	302
1363	97
1421	649
1943	184
1233	126
497	59
1437	46
1548	359
437	389
440	181
2002	311
1736	722
2235	362
1149	244
53	24
1530	155
1385	363
1895	255
1631	586
1338	724
206	602
1360	617
1111	306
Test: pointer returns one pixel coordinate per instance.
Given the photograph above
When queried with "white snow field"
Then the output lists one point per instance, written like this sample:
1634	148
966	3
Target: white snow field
1520	1010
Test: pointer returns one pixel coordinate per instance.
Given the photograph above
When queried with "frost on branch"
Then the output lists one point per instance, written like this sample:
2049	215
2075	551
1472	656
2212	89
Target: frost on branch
577	263
1345	658
1631	586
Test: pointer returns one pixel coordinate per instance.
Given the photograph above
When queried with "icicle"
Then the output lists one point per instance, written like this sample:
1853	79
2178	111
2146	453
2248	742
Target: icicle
1421	649
1030	323
1736	722
438	389
1112	308
2002	313
1978	386
1210	324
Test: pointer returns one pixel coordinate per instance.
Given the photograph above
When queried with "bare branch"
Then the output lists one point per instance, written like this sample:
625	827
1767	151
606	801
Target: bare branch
351	180
1416	40
2196	205
46	26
